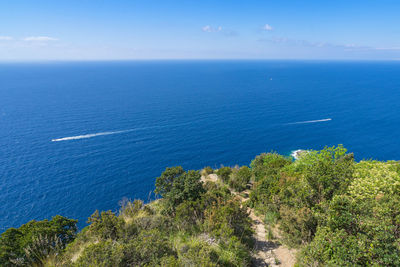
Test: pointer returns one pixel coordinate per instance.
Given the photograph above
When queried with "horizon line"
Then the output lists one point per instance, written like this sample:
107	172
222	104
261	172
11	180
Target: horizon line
193	59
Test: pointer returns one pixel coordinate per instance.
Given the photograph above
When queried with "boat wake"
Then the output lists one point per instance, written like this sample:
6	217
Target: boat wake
314	121
88	135
85	136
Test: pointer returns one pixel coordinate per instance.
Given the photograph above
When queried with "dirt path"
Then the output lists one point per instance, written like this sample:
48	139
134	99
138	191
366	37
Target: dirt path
269	252
266	252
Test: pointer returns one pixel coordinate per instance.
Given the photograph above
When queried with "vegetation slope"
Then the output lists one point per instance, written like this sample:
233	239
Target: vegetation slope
333	210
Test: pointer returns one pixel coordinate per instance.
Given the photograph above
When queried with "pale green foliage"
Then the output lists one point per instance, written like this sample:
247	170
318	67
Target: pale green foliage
192	225
240	178
130	209
224	173
374	178
36	241
336	211
267	165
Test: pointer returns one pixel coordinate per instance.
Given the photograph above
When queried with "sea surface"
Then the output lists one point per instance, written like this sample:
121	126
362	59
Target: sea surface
81	136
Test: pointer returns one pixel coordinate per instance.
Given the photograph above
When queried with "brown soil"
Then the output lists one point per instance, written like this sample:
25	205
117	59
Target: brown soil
266	252
269	252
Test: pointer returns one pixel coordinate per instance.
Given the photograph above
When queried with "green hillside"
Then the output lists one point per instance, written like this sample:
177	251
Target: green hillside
324	207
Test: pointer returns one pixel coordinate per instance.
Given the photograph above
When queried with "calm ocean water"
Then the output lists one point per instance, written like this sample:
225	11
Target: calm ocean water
116	126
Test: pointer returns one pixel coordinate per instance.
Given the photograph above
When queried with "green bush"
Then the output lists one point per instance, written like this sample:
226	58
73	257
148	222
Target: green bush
130	209
41	237
198	254
224	173
208	170
176	186
298	225
337	212
328	172
334	249
240	178
106	225
229	219
357	233
270	164
146	250
102	254
373	178
188	215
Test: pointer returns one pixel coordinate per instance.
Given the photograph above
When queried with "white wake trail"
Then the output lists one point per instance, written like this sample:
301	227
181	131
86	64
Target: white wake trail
88	135
314	121
76	137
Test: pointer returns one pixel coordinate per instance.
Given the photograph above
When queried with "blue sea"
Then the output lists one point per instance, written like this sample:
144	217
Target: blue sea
81	136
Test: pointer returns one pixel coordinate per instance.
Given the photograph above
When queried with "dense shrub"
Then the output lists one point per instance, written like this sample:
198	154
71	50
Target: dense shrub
298	225
33	242
130	209
229	219
198	254
339	212
188	214
240	178
304	188
336	211
208	170
333	249
106	225
266	165
357	234
176	186
327	172
102	254
373	178
224	173
192	225
269	181
147	249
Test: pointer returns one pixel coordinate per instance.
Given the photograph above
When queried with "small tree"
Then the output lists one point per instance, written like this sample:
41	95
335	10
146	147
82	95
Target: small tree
107	225
267	165
18	245
177	186
208	170
240	178
224	173
165	181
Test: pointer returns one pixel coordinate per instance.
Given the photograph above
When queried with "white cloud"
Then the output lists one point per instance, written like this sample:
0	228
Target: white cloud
267	27
6	38
39	39
208	28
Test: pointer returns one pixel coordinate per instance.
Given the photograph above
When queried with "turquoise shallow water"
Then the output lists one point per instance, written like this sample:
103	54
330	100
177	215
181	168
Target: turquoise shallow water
75	137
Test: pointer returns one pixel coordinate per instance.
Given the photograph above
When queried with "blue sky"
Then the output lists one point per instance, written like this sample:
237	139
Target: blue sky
148	29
